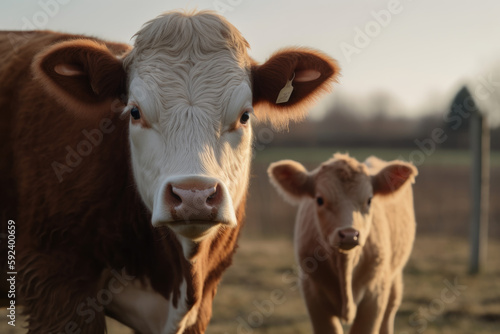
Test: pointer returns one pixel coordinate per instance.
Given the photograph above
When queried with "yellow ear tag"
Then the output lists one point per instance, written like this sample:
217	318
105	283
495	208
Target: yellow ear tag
286	91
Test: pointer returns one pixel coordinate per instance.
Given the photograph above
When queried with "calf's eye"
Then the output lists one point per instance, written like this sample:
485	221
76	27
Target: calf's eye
244	117
135	113
369	201
320	201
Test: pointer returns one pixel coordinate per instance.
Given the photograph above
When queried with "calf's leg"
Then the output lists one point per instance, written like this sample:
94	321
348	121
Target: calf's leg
392	305
371	311
320	311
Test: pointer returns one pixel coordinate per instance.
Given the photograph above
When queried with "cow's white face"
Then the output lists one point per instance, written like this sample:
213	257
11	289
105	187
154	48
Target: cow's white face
190	104
191	91
341	191
191	129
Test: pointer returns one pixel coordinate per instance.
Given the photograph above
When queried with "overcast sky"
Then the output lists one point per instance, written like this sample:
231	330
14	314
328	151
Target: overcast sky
419	54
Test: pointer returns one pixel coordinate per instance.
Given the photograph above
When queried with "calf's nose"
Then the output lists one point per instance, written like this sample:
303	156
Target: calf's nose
348	238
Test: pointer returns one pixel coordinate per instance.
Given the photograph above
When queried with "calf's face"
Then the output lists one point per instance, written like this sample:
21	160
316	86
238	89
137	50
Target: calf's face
191	93
341	191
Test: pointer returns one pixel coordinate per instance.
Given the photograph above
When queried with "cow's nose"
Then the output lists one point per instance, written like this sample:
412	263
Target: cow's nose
348	238
194	200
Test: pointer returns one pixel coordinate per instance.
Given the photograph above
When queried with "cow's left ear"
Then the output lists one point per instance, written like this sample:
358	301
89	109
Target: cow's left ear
286	84
392	177
83	75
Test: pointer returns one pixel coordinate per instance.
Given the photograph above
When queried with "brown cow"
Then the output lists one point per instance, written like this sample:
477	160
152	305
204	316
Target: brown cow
353	235
126	169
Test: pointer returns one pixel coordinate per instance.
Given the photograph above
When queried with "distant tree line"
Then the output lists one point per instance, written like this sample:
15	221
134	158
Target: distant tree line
343	126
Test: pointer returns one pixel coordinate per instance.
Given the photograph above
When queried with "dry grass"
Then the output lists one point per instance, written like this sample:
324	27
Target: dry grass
262	266
264	269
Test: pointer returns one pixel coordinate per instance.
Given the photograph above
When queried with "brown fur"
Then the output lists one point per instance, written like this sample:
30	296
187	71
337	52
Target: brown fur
361	286
68	232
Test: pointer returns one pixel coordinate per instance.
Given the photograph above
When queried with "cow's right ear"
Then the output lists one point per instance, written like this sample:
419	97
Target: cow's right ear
289	82
83	75
291	179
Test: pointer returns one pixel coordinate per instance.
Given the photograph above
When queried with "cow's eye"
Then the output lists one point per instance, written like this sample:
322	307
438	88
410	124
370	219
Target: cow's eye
320	201
369	202
135	113
245	117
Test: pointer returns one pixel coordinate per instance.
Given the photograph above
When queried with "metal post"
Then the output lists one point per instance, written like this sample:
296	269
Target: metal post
480	147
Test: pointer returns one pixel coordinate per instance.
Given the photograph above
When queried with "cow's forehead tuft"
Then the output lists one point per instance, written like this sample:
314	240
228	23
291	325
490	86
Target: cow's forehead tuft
186	59
189	36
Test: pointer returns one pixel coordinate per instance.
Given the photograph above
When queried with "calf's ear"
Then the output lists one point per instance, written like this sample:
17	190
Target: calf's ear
289	82
392	177
291	179
83	75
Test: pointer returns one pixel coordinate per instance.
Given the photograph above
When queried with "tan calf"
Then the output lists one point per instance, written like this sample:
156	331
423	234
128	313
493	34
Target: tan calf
353	235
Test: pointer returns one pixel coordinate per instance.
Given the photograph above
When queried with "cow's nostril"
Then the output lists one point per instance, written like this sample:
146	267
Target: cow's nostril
172	197
215	197
214	192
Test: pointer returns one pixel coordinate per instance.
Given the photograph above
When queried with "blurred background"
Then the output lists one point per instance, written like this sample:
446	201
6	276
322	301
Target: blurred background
402	64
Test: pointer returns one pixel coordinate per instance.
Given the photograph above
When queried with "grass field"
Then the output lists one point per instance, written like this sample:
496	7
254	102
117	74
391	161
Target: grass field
266	266
264	263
